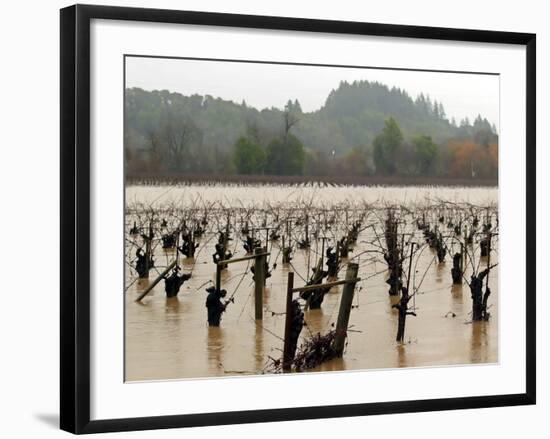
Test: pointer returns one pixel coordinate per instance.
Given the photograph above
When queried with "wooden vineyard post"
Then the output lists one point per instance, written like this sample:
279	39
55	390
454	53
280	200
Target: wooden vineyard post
259	280
148	250
287	361
286	254
345	309
489	239
410	267
218	277
307	229
259	256
224	243
461	259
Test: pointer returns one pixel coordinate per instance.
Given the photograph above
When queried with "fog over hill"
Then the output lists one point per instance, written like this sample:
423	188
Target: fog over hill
199	133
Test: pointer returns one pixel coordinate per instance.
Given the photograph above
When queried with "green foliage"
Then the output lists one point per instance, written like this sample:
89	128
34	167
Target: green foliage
285	157
249	157
386	148
426	152
351	134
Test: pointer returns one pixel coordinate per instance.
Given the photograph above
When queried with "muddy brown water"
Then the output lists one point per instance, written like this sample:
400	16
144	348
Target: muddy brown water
170	338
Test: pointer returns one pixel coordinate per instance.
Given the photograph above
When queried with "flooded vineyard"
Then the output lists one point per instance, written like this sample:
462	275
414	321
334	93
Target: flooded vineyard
396	276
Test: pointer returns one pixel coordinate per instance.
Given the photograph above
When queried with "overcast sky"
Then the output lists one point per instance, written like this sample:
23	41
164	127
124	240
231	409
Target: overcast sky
267	85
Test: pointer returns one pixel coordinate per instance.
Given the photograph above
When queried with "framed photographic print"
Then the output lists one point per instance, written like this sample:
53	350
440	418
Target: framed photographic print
268	218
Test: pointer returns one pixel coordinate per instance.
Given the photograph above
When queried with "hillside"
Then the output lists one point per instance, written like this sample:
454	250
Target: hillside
169	131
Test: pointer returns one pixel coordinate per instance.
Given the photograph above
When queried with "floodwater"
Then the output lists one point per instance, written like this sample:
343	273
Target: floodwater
170	338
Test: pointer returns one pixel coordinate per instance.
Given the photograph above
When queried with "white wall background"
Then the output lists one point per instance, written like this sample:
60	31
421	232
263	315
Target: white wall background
29	185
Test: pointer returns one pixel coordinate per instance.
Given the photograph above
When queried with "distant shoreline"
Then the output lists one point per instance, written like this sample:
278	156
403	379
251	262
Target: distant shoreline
178	178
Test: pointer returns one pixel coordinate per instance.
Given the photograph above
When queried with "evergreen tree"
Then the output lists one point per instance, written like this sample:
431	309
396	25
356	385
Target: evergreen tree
426	154
249	157
386	148
285	157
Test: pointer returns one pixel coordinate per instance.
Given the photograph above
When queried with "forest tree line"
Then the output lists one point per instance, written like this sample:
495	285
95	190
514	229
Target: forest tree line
364	129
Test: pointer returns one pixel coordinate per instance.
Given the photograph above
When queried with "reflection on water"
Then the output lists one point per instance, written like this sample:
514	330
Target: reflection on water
401	355
259	353
458	297
215	346
479	343
170	338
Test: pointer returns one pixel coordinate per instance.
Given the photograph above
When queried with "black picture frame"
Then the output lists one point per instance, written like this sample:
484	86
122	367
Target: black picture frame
75	217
